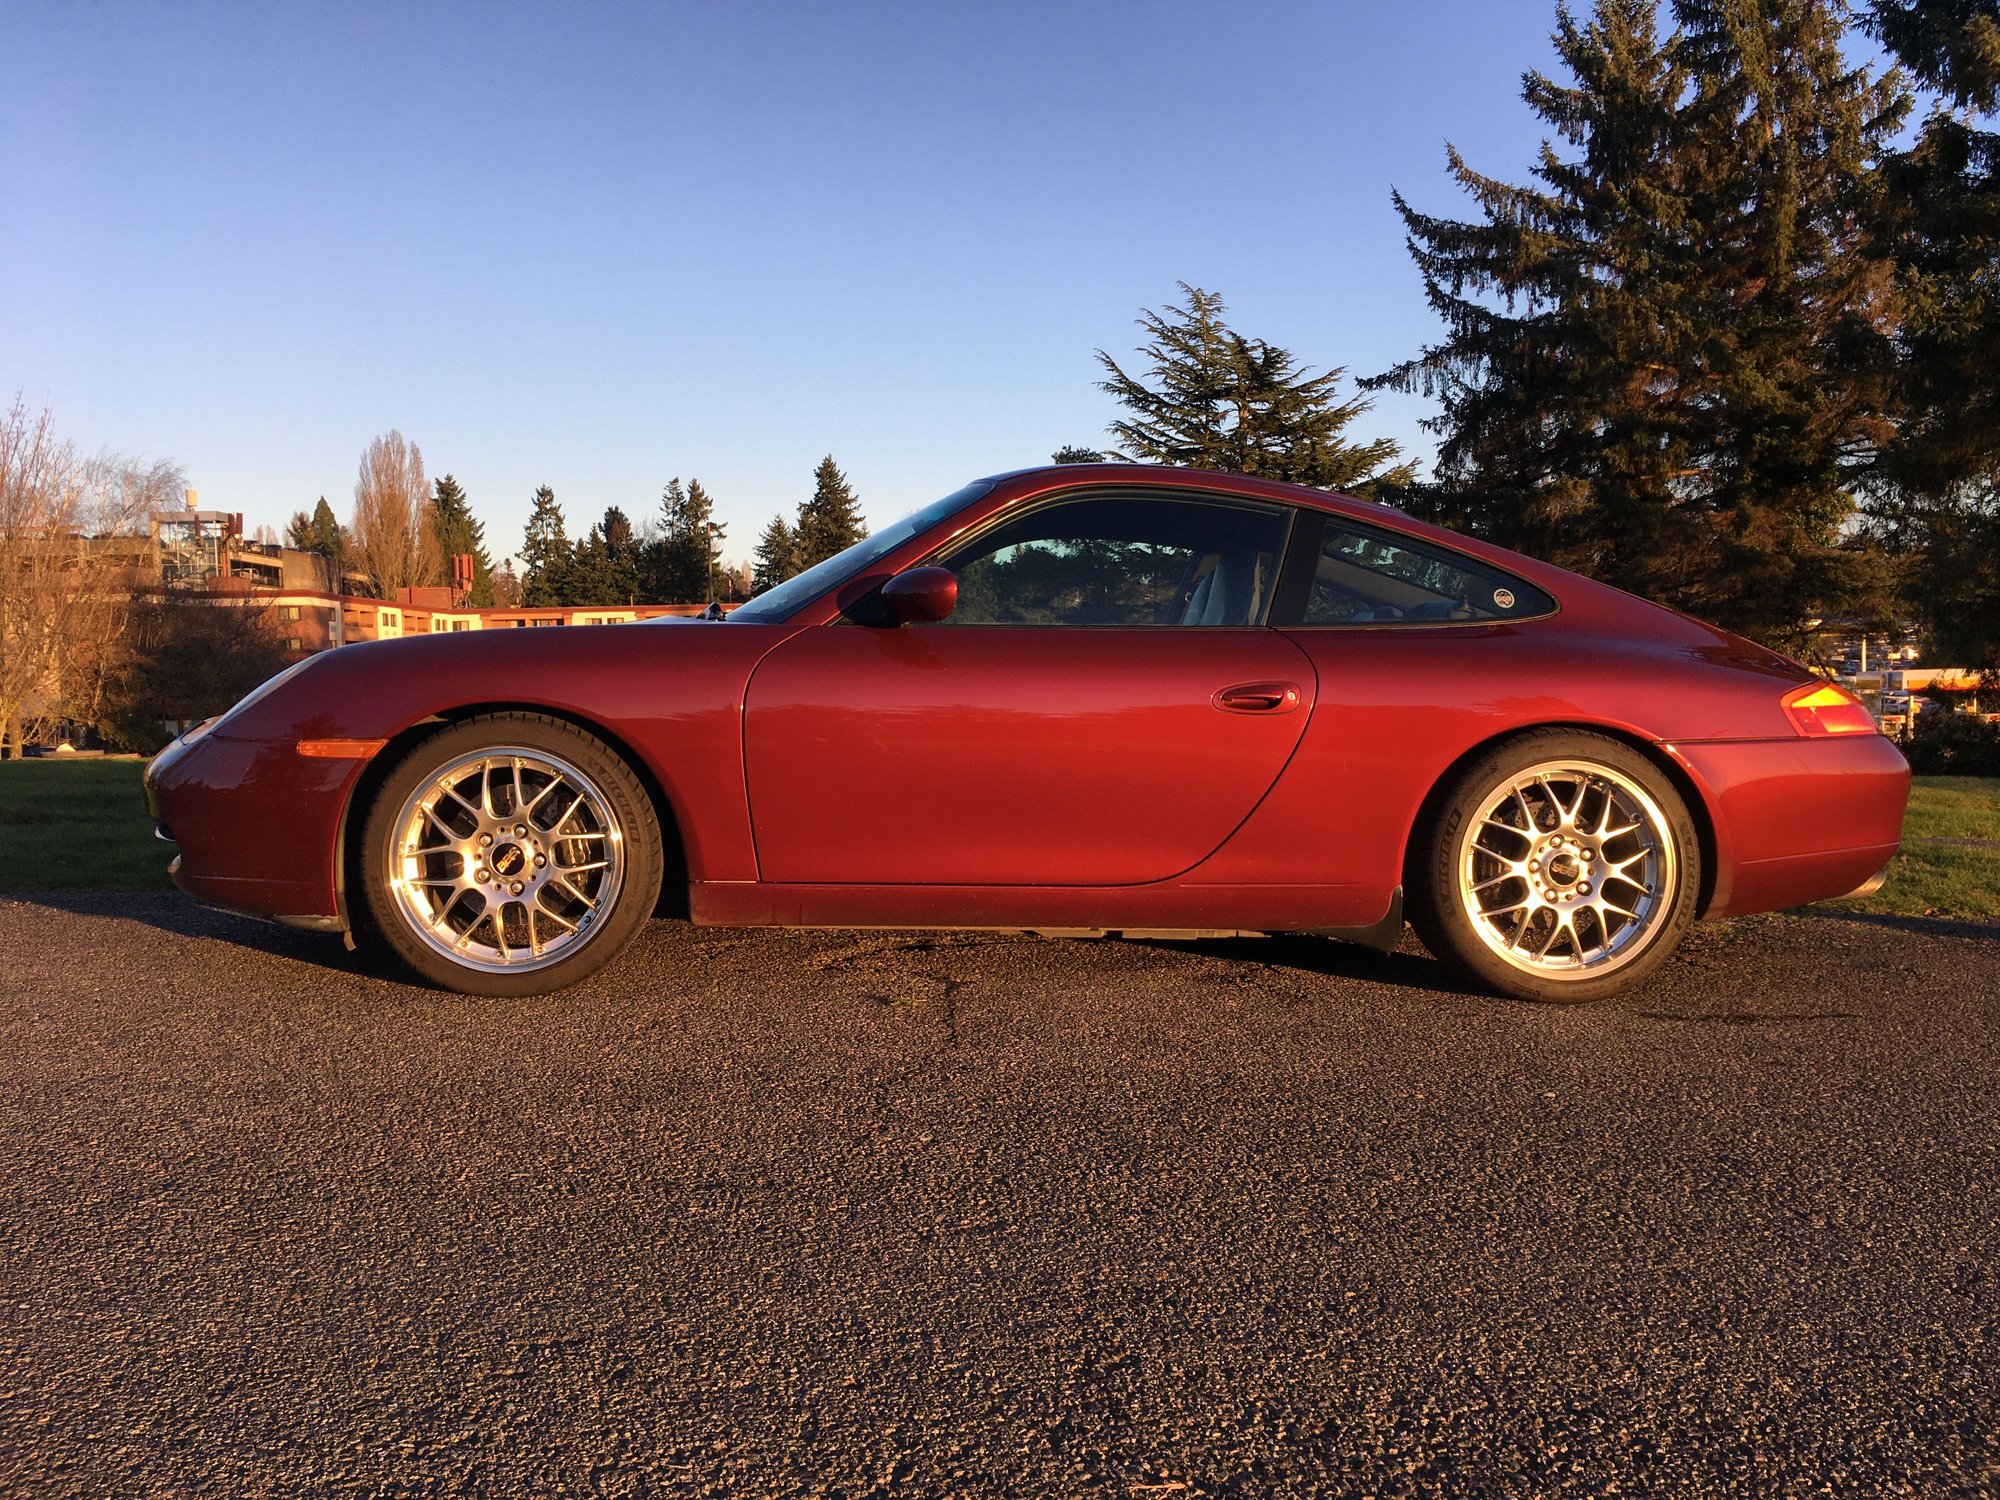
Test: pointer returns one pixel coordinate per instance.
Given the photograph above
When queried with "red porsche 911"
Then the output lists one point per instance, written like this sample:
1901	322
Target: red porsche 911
1080	700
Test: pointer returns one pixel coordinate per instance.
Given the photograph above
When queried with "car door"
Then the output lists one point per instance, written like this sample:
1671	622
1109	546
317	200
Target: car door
1104	707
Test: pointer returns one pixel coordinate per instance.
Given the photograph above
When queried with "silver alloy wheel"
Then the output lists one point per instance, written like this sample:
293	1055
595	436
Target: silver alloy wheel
506	860
1566	869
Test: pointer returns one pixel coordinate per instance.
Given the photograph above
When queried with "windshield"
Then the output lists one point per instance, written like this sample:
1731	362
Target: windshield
776	604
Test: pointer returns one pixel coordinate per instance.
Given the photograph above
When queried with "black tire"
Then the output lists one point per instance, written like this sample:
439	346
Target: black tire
1553	871
606	792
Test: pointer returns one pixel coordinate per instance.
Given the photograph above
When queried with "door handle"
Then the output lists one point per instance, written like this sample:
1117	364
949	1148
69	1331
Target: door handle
1258	698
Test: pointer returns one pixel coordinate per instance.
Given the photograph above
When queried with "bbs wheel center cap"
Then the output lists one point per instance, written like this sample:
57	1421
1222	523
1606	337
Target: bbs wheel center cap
509	860
1563	869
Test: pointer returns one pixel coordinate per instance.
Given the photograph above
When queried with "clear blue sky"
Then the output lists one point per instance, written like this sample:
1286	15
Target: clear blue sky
595	246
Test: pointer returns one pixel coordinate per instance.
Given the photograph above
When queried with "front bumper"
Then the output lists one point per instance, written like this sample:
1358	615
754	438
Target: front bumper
257	824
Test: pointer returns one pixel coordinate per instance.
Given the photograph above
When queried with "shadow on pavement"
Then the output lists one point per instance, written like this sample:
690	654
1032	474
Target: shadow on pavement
177	914
1924	926
1327	958
170	912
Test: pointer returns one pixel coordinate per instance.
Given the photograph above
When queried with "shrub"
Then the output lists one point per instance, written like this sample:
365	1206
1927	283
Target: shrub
1950	744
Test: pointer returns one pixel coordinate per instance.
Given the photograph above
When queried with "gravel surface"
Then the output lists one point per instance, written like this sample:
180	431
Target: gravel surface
894	1214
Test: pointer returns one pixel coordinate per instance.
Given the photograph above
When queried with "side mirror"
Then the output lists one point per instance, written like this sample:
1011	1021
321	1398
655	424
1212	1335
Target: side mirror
921	596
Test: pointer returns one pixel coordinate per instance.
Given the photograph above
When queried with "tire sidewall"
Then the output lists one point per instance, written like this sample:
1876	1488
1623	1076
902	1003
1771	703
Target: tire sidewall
638	891
1438	911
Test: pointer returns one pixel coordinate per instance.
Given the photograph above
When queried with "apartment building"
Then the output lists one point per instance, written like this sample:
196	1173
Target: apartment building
205	552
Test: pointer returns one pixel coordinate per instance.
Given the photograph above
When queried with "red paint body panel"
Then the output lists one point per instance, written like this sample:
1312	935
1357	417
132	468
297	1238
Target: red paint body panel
1398	709
244	812
671	694
829	773
1805	819
993	755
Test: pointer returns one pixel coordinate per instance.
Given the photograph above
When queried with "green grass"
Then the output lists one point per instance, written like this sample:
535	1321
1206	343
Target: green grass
1933	879
81	825
78	825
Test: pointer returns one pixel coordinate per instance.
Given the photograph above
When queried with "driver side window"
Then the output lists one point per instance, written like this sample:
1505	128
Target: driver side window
1123	560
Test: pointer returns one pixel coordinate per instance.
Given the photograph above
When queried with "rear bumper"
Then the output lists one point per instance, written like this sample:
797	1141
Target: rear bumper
1798	820
1869	886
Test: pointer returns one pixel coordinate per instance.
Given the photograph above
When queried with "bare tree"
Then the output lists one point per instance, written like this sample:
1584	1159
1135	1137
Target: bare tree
119	497
393	539
70	555
506	585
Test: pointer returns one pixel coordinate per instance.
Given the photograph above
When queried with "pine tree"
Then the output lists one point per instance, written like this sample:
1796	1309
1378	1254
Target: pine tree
592	576
684	554
1215	399
1663	359
319	533
707	534
1937	497
1953	46
624	557
776	552
547	559
1073	453
830	522
617	528
460	533
667	568
329	537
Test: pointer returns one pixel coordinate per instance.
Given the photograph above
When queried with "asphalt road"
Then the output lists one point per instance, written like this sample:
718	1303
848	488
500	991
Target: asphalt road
889	1214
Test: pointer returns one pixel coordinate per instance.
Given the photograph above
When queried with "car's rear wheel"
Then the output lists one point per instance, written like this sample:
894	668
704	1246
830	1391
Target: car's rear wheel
510	854
1562	866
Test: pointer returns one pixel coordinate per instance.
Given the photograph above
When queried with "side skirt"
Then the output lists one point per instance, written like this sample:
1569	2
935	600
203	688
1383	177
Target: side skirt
1373	918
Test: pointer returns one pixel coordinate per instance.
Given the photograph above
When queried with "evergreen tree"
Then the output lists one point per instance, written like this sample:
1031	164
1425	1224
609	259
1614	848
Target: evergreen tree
1663	360
830	522
592	576
460	533
732	582
624	557
329	536
547	559
1953	46
1072	453
319	532
617	528
684	554
1215	399
1937	499
776	552
667	567
707	533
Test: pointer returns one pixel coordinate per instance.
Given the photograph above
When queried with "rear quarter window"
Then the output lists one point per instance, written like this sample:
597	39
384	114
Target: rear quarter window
1365	576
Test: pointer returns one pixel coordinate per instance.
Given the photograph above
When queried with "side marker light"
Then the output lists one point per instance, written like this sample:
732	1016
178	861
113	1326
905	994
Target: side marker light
339	749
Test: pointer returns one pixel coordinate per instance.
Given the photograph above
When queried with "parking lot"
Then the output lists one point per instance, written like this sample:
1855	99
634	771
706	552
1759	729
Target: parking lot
886	1214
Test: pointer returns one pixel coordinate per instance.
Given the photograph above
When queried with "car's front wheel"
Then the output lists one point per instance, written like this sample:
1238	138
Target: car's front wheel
510	854
1561	866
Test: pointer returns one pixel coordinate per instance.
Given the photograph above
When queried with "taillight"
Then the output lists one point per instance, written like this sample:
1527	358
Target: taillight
1821	709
